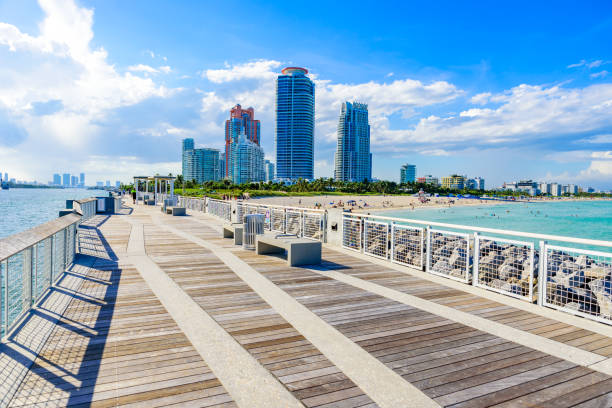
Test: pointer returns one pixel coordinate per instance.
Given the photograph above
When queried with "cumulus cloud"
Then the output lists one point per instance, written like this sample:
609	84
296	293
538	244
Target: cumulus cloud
66	89
260	69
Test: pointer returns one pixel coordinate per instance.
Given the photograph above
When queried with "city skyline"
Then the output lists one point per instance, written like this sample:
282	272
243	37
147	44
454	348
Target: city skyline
506	101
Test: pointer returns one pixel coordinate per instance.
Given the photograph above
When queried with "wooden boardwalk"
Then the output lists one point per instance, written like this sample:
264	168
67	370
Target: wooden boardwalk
113	343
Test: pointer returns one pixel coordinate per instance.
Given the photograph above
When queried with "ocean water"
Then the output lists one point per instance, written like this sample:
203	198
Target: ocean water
24	208
582	219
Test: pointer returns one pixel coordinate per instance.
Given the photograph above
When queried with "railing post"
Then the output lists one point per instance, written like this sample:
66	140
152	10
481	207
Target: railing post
542	273
476	263
428	249
35	271
26	273
5	298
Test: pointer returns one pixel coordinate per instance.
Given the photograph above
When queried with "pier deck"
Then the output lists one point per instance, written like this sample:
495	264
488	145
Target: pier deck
160	311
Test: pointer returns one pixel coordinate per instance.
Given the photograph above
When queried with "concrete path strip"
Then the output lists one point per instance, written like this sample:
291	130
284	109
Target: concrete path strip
380	383
548	346
249	384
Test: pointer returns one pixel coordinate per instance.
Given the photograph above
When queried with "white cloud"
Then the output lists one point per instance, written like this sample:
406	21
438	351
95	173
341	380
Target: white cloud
527	112
142	68
260	69
600	74
62	66
165	69
589	65
481	98
605	138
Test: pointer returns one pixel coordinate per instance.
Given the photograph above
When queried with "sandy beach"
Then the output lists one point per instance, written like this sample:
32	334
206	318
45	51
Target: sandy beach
359	203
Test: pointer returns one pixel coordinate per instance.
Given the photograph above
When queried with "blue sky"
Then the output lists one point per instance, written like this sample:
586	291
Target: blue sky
504	91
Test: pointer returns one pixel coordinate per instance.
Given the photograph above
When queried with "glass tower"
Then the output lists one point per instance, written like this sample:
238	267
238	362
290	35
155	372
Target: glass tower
247	161
199	165
353	158
295	97
408	173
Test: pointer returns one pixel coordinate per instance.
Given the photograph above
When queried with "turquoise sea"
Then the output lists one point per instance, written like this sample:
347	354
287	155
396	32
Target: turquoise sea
583	219
24	208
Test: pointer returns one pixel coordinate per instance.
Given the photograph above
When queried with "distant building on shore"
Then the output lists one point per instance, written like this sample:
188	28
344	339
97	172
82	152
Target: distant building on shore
82	180
454	182
241	121
428	179
57	180
295	103
408	173
269	167
353	161
66	180
476	183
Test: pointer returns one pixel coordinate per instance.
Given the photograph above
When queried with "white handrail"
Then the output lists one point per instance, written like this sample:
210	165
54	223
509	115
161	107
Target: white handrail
534	235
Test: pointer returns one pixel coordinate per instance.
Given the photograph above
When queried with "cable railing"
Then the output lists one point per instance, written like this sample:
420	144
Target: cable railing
302	222
565	273
31	261
220	208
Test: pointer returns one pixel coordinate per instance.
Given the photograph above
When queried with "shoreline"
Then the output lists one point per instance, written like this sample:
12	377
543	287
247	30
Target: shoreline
361	204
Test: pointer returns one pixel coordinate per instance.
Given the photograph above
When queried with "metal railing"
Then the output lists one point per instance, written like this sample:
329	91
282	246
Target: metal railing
302	222
554	271
220	208
86	207
31	261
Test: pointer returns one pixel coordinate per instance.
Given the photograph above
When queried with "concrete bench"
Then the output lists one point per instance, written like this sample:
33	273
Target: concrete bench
233	231
176	211
149	201
300	251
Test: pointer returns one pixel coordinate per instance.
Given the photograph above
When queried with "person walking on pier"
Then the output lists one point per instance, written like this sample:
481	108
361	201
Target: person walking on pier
134	196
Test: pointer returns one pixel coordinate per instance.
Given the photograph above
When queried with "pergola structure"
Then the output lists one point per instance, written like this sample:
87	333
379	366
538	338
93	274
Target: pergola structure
161	185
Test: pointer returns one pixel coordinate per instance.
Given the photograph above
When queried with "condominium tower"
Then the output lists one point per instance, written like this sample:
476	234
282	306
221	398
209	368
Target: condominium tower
353	158
408	173
199	165
295	101
241	121
247	161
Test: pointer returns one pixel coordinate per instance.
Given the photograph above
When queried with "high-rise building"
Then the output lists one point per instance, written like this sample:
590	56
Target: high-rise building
428	179
555	189
247	161
295	102
99	184
222	168
353	161
454	182
57	180
6	177
82	179
269	166
66	180
74	181
207	161
199	165
240	121
408	173
117	184
476	183
187	145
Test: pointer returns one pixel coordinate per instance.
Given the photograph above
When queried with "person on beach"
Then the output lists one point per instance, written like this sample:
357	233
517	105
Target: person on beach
134	196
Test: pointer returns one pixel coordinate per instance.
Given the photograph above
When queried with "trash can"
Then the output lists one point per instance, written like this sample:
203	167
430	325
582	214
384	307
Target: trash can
253	226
